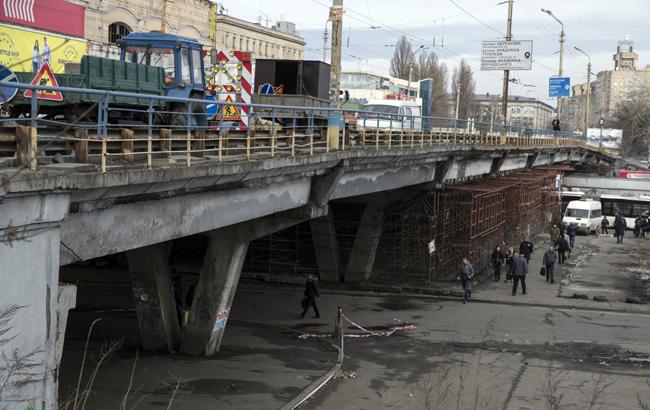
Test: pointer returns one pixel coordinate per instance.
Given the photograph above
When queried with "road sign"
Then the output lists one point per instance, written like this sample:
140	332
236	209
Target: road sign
507	55
211	109
559	87
229	112
45	77
6	92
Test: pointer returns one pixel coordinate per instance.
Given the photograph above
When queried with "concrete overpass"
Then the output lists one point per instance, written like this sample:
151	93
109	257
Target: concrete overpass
64	213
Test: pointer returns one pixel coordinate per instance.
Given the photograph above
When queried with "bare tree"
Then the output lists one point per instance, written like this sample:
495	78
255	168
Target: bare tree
633	117
403	59
429	66
463	83
19	369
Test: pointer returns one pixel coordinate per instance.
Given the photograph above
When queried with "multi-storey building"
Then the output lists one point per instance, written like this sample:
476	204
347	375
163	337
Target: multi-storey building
108	20
525	112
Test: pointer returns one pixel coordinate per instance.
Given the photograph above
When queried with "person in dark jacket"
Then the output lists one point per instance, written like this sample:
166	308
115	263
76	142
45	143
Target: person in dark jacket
604	225
466	274
554	233
549	264
556	125
498	258
572	231
510	253
311	293
526	249
562	248
638	223
645	223
562	229
519	272
619	228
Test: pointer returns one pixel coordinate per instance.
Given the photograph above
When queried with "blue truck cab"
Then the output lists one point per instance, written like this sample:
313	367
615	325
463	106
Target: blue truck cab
180	57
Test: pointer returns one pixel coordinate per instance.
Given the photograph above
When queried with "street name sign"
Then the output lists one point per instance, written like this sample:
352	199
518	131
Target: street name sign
559	87
507	55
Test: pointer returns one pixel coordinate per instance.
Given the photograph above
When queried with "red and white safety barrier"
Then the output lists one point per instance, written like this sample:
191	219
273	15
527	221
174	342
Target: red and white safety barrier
233	81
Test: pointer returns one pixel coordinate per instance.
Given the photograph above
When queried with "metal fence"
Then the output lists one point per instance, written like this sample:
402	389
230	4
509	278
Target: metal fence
111	128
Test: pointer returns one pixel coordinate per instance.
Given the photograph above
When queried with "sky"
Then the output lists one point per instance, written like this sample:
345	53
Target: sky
372	27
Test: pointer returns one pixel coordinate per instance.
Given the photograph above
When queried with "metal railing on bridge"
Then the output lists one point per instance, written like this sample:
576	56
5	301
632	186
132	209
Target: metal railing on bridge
113	129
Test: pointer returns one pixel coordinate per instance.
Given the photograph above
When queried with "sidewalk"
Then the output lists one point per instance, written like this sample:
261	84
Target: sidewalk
568	278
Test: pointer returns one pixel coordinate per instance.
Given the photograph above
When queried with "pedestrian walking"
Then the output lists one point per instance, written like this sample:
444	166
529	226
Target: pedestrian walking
310	296
562	248
645	224
619	228
562	229
556	125
604	225
572	231
466	274
519	272
510	253
526	249
554	232
498	259
549	264
638	222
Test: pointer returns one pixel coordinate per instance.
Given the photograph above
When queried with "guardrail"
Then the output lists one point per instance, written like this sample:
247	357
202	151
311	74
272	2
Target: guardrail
112	128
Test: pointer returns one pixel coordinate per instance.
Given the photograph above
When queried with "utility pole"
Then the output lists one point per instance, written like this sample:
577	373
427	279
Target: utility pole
506	73
562	39
408	88
336	17
325	38
163	16
213	26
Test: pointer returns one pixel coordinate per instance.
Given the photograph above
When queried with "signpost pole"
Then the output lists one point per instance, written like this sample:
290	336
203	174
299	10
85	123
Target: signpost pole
506	73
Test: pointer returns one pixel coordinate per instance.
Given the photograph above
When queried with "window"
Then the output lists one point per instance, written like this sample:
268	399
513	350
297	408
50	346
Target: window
197	73
116	31
185	66
156	57
596	213
577	213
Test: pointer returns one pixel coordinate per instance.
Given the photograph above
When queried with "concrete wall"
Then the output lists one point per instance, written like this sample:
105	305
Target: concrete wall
29	254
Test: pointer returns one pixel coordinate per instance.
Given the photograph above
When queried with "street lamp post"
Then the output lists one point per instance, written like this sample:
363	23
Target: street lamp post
560	71
408	89
588	88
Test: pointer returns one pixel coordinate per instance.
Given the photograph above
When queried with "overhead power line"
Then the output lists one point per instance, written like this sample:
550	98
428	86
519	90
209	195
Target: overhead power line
476	18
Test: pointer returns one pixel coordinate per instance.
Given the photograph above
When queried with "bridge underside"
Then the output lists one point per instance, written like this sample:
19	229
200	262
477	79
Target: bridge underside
57	217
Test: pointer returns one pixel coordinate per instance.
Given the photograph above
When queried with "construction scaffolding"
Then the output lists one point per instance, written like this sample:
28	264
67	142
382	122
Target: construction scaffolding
424	238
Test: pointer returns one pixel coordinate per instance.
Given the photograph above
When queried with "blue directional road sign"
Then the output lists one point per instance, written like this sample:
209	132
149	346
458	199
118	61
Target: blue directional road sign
559	87
7	92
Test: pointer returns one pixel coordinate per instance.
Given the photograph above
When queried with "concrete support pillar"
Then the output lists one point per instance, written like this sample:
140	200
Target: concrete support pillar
364	249
220	274
326	248
29	273
154	299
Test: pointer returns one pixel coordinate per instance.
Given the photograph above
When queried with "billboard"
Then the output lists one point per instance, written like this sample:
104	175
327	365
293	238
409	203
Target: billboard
58	16
559	87
25	50
612	138
507	55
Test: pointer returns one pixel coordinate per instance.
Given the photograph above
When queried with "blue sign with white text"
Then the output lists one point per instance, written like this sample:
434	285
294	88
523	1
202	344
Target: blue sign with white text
7	92
559	87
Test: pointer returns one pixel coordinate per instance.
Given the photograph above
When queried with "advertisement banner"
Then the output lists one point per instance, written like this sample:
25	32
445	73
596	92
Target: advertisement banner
59	16
25	50
612	138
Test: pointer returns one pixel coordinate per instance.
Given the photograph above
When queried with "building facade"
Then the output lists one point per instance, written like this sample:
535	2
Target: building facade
523	112
108	20
366	85
610	89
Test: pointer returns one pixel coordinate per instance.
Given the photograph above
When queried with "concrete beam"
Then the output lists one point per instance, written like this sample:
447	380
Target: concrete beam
219	277
323	186
497	162
89	235
366	242
155	306
530	161
442	170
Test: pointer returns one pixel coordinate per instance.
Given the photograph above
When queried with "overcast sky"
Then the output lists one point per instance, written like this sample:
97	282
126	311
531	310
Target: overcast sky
592	25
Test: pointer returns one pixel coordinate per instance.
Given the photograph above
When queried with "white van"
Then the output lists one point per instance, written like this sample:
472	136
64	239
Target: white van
391	114
587	214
